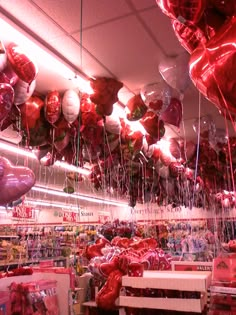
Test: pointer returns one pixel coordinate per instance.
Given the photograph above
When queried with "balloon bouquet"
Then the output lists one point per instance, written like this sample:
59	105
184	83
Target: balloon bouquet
206	29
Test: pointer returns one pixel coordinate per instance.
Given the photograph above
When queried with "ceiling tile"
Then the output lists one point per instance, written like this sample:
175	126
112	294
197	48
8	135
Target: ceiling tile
67	12
126	49
68	47
143	4
160	26
32	18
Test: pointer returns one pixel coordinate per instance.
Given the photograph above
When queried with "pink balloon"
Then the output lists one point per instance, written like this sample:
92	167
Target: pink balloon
6	100
15	181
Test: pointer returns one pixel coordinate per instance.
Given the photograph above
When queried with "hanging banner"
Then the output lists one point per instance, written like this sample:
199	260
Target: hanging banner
23	212
69	216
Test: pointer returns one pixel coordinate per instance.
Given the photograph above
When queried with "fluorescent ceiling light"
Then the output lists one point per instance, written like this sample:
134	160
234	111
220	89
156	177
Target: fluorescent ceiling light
72	168
77	196
27	153
52	204
41	53
16	150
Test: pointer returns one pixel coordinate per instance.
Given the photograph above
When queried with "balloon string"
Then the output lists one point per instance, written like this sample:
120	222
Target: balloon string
230	154
198	145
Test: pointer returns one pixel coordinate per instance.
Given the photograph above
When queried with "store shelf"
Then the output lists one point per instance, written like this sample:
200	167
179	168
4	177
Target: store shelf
181	305
174	280
168	280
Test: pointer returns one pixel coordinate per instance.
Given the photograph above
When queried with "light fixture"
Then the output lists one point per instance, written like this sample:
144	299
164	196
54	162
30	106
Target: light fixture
30	154
16	150
51	204
77	196
11	32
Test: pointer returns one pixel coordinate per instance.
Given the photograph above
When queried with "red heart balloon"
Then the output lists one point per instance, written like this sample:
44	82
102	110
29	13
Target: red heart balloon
52	108
15	181
188	34
212	68
153	125
6	100
8	76
226	7
135	108
185	10
30	112
105	94
21	63
173	114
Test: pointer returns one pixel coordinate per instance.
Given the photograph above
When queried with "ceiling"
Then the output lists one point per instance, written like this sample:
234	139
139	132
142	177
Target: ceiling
122	39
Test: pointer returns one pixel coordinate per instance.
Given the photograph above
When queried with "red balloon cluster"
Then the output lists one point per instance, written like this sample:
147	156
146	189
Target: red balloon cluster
119	257
206	29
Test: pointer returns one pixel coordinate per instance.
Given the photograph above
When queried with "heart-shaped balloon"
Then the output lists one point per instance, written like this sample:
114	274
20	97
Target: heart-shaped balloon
30	112
52	108
226	7
188	34
175	71
135	108
184	10
22	63
173	114
15	181
6	100
3	61
153	125
212	68
23	91
8	76
104	95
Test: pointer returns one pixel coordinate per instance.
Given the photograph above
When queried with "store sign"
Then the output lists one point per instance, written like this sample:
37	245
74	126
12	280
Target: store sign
22	212
69	216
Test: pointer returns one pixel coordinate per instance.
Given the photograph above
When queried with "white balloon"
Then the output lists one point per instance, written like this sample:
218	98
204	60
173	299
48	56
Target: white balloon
70	106
23	91
175	71
112	124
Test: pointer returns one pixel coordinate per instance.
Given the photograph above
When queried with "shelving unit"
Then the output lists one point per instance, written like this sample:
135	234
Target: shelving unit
168	280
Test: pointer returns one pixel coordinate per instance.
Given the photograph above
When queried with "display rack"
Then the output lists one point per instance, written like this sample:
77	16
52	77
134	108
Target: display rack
169	280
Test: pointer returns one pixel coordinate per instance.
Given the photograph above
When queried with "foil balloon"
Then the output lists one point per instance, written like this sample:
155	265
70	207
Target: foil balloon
175	71
212	68
112	124
226	7
31	111
173	114
61	135
21	62
8	76
135	108
52	108
15	181
70	106
3	61
153	125
205	126
156	95
184	10
23	91
6	100
189	35
105	91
